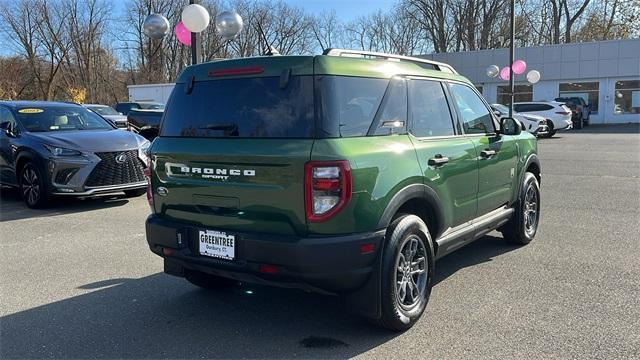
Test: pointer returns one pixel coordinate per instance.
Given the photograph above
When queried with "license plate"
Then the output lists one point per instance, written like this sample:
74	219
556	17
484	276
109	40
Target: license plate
217	244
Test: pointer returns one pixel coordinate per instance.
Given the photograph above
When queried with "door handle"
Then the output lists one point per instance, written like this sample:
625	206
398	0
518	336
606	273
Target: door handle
438	160
487	153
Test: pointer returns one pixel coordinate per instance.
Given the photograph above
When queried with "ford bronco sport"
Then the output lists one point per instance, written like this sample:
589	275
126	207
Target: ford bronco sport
345	173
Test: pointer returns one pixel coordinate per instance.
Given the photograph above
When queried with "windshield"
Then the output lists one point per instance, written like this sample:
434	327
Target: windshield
60	118
151	106
103	110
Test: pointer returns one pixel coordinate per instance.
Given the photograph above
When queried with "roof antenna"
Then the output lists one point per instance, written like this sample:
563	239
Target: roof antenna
271	51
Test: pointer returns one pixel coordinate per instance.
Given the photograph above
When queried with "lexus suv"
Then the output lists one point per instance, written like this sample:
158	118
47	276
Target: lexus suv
347	173
53	149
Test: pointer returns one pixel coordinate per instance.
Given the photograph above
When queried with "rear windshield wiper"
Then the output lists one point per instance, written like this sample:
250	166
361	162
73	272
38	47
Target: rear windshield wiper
229	129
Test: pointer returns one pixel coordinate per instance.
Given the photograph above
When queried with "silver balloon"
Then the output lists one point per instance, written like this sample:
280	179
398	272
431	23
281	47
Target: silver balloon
229	24
156	26
493	71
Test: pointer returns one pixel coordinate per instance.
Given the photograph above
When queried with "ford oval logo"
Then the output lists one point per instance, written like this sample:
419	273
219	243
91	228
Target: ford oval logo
121	158
162	191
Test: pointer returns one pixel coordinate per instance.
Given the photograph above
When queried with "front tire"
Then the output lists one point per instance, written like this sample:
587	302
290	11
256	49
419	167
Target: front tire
407	273
33	188
522	227
552	131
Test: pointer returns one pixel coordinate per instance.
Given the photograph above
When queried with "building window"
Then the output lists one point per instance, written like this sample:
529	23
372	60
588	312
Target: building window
479	88
586	90
627	97
521	93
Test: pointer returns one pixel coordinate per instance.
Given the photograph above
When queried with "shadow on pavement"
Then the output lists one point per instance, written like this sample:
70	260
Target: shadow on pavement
160	316
610	129
13	208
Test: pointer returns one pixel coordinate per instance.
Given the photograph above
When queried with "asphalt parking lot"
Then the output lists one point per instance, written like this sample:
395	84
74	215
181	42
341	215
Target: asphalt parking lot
78	281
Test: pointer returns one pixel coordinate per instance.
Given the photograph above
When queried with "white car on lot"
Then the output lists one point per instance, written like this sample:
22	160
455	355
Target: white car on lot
537	125
558	115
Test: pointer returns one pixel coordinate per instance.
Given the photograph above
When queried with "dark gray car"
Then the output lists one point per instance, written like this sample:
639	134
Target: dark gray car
62	149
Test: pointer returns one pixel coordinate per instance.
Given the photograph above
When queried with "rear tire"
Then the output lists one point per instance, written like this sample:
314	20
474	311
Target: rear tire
207	281
407	273
523	225
134	193
33	188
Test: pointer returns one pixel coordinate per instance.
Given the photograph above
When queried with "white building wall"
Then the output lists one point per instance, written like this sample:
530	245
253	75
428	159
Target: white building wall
150	92
604	62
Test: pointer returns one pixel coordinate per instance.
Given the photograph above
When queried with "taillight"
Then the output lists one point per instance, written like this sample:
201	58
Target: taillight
563	112
147	175
327	188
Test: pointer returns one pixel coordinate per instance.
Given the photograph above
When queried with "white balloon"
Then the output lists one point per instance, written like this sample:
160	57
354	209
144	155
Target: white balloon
533	76
195	18
229	24
493	71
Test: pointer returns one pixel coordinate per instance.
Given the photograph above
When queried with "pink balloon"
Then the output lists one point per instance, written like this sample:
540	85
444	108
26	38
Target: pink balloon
504	73
519	67
183	34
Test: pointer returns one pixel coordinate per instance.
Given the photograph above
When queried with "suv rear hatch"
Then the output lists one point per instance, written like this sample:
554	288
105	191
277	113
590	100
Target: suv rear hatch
233	145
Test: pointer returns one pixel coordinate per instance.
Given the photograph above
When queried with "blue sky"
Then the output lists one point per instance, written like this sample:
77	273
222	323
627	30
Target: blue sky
345	9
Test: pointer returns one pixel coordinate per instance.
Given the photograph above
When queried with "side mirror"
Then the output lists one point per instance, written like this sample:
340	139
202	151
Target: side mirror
510	126
5	127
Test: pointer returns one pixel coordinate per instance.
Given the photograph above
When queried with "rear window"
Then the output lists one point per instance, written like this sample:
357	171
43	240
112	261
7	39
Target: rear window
247	107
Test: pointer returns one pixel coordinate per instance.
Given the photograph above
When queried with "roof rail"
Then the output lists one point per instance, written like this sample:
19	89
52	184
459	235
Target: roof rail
371	54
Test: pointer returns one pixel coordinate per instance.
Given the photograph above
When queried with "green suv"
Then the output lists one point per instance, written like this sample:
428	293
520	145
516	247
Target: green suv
347	173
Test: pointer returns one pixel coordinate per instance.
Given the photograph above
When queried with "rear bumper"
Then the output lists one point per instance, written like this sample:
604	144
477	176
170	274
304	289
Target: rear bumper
323	264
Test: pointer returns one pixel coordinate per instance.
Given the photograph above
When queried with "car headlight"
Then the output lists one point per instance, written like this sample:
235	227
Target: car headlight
60	151
145	147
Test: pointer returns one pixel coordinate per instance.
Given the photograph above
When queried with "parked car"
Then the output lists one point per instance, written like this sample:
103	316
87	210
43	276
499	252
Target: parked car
250	181
537	125
125	107
558	115
108	113
61	149
145	122
582	110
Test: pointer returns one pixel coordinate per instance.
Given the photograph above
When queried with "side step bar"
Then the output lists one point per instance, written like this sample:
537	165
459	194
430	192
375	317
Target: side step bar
455	238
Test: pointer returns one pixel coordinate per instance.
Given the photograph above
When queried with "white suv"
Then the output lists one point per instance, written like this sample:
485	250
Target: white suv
536	125
558	115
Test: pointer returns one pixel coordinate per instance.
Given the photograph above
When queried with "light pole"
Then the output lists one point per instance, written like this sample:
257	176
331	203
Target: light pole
512	55
196	51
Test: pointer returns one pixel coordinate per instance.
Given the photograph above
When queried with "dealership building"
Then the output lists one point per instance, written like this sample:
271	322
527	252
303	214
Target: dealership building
605	73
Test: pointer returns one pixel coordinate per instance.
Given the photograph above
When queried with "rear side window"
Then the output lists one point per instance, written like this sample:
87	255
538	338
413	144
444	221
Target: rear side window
246	107
347	105
430	114
392	115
